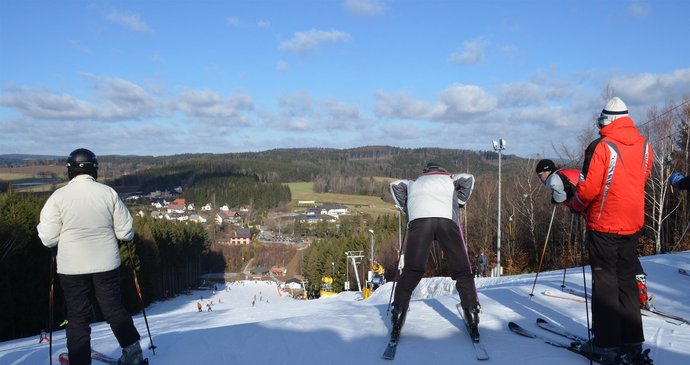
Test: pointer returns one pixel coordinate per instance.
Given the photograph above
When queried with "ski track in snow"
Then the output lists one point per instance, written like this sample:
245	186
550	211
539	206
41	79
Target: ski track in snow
342	330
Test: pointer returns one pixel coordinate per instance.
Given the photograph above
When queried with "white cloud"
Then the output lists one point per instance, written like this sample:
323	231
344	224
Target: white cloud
263	24
120	99
521	94
457	104
210	106
472	52
404	106
461	99
130	21
365	7
114	100
341	116
647	88
639	9
546	117
303	42
234	22
45	104
301	124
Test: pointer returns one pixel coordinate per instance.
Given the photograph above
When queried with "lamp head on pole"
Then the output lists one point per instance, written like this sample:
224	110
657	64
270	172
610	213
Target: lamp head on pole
499	145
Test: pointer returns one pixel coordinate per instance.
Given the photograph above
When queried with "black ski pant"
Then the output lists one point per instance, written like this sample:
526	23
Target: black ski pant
421	234
616	318
79	291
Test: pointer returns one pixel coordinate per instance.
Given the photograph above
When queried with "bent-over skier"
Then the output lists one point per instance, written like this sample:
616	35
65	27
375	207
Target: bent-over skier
432	204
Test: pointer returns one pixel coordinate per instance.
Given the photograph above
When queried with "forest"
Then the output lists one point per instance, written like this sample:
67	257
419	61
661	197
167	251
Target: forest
168	258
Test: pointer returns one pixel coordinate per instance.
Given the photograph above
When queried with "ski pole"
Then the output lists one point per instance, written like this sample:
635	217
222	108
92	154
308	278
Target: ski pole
464	243
584	285
398	269
401	256
152	347
570	237
543	251
50	308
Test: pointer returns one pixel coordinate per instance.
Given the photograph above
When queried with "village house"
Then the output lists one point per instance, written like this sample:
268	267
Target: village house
241	237
175	216
333	209
197	218
158	214
176	208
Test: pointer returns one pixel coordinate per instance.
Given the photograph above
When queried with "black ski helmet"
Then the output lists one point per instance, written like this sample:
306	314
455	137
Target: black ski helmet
433	167
82	161
545	165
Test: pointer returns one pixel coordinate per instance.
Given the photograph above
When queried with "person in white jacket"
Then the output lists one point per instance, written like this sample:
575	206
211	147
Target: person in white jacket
84	221
432	204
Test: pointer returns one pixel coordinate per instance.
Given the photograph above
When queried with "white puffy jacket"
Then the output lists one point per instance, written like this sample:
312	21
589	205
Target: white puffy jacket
85	219
435	194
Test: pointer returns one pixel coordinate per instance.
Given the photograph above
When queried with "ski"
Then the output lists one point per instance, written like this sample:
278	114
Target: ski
63	358
516	328
544	324
479	349
670	318
564	295
104	358
651	312
389	353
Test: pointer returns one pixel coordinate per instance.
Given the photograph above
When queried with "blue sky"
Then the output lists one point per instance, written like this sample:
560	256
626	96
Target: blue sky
170	77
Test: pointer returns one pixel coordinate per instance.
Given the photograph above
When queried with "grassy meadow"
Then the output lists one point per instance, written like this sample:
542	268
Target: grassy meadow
372	205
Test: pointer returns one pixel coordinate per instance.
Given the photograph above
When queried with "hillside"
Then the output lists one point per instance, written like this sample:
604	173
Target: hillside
148	173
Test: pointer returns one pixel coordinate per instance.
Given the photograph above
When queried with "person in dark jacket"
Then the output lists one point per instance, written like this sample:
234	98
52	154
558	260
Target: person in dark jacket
611	194
432	204
83	221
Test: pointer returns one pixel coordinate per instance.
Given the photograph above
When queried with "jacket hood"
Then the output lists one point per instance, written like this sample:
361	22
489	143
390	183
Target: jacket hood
622	130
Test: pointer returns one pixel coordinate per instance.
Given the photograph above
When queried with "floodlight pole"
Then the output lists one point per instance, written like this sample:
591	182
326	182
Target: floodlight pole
498	147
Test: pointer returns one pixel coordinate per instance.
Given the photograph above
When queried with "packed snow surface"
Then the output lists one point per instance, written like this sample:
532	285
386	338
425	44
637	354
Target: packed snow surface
343	330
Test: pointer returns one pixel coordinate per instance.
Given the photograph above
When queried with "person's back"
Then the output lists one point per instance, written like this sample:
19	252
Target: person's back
613	189
612	195
432	203
82	222
91	219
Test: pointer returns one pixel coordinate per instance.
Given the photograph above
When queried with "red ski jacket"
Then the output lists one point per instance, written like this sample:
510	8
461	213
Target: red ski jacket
612	182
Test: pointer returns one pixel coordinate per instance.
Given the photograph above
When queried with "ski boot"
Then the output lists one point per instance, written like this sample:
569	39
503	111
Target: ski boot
602	355
398	319
634	355
132	355
472	319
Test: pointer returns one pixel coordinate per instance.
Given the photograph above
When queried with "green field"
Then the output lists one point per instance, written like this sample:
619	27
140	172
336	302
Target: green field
356	203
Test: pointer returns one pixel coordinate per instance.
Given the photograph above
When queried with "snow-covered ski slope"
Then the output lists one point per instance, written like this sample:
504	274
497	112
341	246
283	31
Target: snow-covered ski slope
341	330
